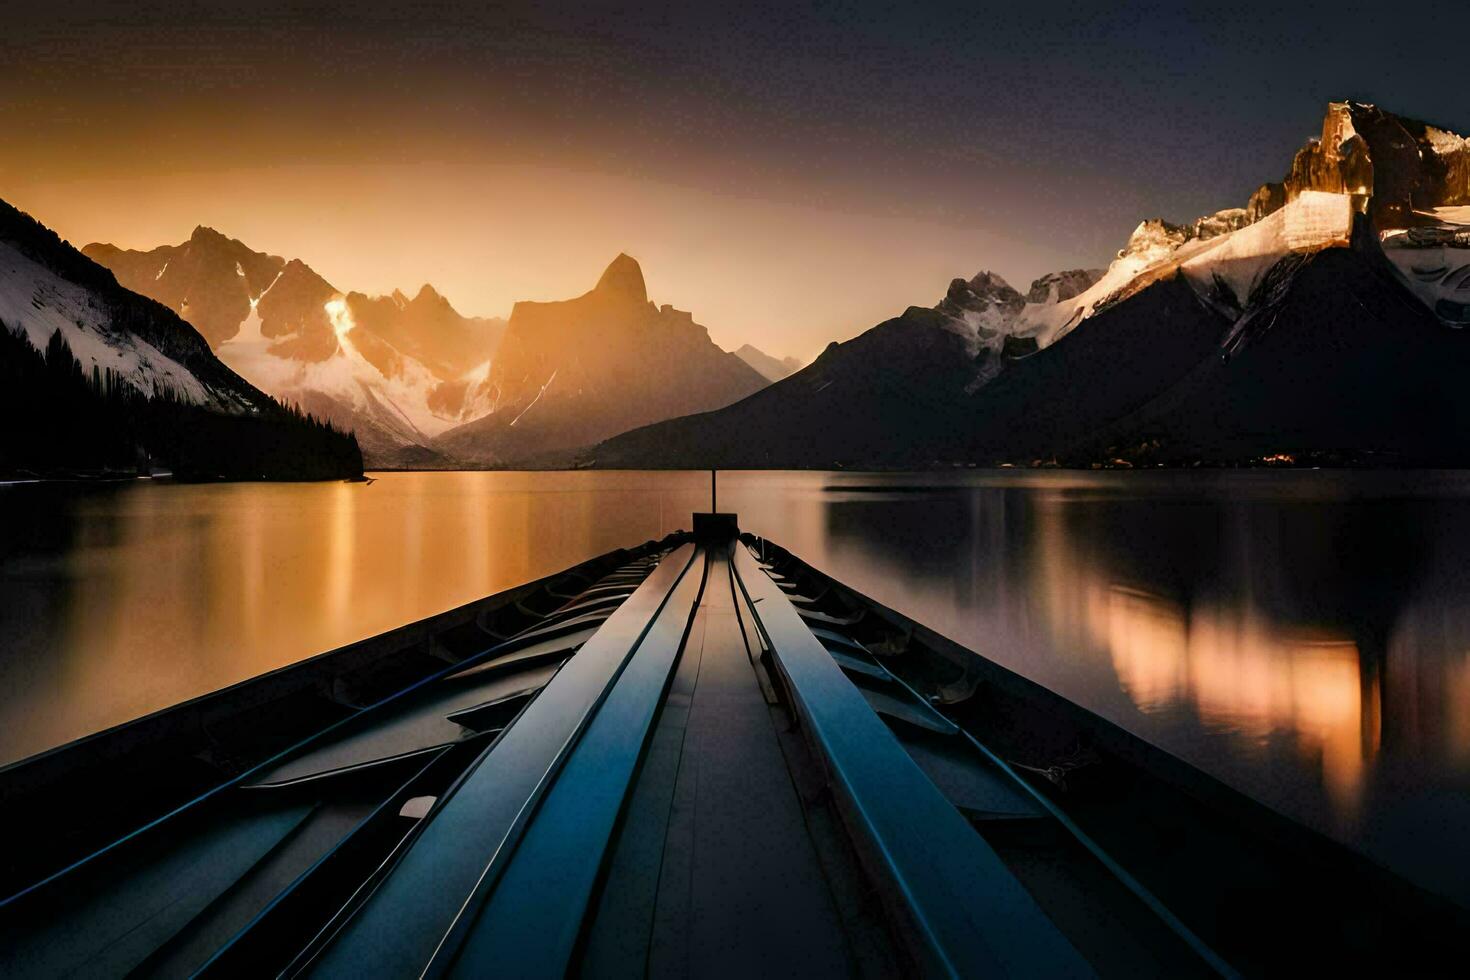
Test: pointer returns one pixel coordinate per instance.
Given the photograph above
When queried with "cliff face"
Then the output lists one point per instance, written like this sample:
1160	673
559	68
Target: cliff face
579	370
1418	209
1391	165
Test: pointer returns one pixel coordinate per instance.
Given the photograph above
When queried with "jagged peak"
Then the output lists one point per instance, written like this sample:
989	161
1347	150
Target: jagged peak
204	233
987	281
427	294
295	269
981	292
624	277
1155	235
1056	287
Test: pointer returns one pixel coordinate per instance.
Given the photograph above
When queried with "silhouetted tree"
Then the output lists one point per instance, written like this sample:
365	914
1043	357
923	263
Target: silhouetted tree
59	419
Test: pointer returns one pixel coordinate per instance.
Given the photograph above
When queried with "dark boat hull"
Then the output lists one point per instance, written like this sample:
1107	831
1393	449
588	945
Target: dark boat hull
697	756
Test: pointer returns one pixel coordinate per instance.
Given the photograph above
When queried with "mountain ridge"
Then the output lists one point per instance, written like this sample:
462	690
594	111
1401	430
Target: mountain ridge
1380	202
394	369
99	377
769	367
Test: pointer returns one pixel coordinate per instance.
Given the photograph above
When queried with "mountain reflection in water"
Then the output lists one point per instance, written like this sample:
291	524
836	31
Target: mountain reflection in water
1304	636
1239	672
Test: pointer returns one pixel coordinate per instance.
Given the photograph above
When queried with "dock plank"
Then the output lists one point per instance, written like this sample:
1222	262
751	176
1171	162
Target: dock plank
961	910
400	927
547	883
742	893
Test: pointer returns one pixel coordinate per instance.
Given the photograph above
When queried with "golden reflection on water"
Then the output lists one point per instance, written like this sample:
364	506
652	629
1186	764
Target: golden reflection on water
1305	637
1243	675
1457	732
166	592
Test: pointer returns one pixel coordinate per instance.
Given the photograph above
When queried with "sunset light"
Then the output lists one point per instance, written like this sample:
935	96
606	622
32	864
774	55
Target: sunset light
340	317
682	490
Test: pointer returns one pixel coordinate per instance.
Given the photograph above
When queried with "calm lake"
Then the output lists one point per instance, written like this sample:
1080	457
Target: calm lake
1303	635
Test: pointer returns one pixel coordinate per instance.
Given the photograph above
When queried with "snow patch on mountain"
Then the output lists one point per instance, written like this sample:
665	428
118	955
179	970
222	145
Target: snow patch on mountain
407	366
37	301
250	327
398	403
1432	259
1048	322
1223	257
480	398
985	310
1208	255
1240	260
1411	180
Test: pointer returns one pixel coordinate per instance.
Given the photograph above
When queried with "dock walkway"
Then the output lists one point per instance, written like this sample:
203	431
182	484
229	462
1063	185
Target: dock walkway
714	873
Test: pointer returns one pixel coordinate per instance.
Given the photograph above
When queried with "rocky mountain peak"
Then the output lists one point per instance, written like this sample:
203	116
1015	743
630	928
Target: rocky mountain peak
1222	222
984	291
624	278
1056	287
297	269
1267	198
204	233
1155	235
1239	336
1390	165
572	372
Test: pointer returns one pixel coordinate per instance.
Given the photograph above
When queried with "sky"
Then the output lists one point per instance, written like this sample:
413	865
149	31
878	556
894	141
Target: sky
791	174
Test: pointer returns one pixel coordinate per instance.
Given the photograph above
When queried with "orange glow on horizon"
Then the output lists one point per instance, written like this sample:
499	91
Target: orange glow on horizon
787	277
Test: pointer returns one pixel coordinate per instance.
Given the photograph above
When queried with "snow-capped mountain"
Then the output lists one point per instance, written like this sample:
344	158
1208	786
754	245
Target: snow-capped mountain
396	370
46	286
1315	322
572	372
130	380
1404	176
768	367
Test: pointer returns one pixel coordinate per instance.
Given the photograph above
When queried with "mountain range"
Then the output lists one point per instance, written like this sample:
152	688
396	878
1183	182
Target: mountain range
1318	323
422	385
98	378
395	370
574	372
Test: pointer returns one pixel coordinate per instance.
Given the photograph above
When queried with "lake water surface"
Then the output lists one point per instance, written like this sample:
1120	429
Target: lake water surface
1303	635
